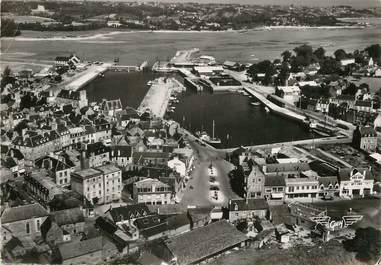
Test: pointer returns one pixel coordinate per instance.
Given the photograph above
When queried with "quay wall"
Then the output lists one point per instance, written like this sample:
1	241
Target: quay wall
275	108
157	98
81	79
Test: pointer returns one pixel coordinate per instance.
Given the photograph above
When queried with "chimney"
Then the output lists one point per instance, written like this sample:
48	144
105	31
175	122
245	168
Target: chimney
84	160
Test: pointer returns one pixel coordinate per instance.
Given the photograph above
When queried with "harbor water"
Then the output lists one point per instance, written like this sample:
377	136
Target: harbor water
237	121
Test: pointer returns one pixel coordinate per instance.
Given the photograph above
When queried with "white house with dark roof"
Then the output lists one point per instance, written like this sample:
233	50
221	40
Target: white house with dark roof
23	221
365	138
100	185
355	182
111	107
127	214
247	209
152	191
91	251
364	105
57	167
67	60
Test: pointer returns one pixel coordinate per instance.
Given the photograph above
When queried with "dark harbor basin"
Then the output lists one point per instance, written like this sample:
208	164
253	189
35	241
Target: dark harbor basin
237	121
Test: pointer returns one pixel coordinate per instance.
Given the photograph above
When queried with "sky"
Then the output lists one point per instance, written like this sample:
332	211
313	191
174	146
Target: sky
354	3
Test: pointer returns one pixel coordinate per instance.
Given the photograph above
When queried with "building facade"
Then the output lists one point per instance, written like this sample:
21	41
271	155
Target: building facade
152	191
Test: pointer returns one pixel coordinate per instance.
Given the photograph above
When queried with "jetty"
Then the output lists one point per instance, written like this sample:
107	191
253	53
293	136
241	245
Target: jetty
158	96
274	107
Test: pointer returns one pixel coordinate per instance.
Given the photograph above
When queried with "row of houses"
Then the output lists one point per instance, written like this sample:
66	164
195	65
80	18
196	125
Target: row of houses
291	180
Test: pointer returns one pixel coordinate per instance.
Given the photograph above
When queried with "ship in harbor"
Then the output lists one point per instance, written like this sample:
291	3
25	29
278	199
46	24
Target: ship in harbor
203	135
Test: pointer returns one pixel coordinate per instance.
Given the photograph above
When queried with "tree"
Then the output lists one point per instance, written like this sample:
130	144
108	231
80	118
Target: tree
286	55
366	244
374	51
329	66
319	53
284	74
304	54
9	28
340	54
265	67
351	90
6	77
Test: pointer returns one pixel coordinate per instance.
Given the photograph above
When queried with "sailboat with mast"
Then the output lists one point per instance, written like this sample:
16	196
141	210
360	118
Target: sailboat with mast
206	138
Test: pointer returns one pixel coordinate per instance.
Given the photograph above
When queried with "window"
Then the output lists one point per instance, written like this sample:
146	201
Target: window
60	181
38	224
65	173
27	228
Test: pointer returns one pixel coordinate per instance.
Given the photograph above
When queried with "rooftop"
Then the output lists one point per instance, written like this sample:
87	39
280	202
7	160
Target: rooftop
249	204
205	241
106	169
23	212
87	173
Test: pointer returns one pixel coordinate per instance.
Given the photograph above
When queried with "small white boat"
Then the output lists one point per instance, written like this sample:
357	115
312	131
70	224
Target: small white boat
256	103
267	109
149	83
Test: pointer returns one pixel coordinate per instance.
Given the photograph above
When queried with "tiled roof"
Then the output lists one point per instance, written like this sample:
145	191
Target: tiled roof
275	181
346	173
122	151
363	103
68	216
249	204
328	180
112	104
80	248
69	94
204	242
23	212
97	148
148	221
129	212
287	167
346	97
147	183
56	164
368	131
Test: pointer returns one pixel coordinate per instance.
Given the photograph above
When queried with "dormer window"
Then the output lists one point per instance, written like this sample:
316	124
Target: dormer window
235	207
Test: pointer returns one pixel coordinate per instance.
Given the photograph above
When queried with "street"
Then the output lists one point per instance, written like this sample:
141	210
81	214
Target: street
197	190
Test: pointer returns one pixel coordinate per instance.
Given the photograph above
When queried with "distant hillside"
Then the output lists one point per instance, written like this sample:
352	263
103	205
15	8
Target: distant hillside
354	3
